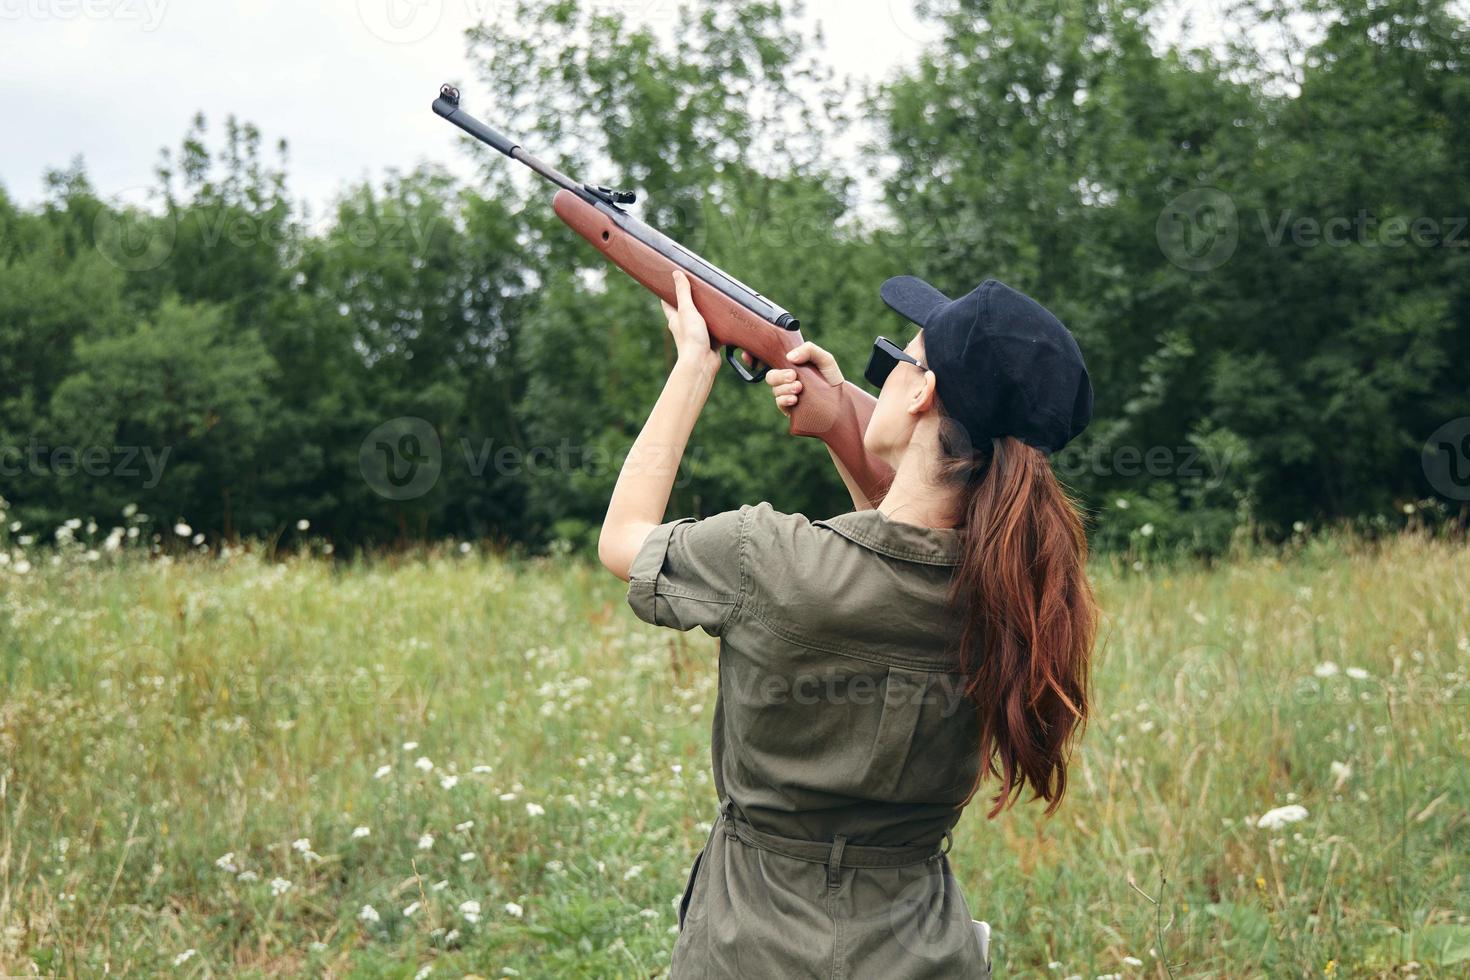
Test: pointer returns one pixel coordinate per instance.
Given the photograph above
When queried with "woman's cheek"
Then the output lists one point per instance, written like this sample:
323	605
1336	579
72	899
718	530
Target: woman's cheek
877	438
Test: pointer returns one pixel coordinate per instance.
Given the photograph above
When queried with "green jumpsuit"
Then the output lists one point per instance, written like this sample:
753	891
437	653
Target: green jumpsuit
844	748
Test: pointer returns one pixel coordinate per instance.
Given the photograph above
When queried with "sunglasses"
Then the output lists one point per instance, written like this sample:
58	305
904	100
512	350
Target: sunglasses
885	357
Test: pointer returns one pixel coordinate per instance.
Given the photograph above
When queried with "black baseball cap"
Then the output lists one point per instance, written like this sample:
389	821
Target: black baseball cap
1004	366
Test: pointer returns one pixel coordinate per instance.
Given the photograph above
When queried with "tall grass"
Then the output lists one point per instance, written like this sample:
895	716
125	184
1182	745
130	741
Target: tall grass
474	764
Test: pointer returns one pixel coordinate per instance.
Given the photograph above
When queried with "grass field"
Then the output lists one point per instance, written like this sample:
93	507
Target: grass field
463	764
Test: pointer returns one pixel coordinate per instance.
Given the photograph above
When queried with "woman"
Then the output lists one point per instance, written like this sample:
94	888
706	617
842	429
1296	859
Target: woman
876	667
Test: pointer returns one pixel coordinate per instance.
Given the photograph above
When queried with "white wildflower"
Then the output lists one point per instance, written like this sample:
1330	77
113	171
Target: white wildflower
449	782
470	910
423	763
1132	961
369	914
279	886
438	886
303	525
185	957
514	910
633	872
226	862
466	857
358	833
482	769
410	746
382	771
1357	673
1325	669
535	810
1147	530
426	842
1121	503
466	825
183	530
247	876
424	971
410	909
1281	816
1341	772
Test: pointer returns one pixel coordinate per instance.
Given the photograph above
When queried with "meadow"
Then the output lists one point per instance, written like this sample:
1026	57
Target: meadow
459	762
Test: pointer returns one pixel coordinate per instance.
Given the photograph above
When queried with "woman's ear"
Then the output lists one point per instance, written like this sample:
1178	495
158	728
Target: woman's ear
923	397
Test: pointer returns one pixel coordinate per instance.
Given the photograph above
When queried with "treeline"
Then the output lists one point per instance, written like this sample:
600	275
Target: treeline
1264	255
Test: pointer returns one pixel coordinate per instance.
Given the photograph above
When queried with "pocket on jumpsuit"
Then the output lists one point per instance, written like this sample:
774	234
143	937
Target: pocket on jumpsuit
689	889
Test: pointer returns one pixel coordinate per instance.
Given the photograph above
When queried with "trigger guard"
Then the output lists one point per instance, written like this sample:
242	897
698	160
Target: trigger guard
740	369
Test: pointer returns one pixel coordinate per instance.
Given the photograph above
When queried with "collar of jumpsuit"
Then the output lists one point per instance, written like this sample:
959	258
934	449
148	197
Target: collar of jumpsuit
908	542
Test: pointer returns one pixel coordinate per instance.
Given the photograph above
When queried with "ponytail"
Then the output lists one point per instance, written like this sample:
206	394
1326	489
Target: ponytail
1028	613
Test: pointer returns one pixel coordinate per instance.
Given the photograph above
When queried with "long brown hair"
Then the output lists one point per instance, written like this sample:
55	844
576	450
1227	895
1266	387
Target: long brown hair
1028	612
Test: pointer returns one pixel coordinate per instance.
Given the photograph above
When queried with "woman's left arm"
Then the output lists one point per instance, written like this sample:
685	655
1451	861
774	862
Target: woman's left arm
643	487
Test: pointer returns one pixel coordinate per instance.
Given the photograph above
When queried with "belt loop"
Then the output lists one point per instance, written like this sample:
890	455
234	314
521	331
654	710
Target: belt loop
727	811
834	861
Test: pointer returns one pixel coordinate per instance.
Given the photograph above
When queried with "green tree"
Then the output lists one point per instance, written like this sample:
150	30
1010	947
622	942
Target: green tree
185	389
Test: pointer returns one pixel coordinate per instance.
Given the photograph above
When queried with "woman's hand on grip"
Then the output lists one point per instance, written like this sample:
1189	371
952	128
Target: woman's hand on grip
785	385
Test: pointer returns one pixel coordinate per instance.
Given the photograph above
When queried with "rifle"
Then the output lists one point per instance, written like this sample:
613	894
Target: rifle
738	317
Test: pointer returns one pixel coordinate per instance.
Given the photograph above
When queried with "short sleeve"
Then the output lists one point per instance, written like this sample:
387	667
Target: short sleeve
688	573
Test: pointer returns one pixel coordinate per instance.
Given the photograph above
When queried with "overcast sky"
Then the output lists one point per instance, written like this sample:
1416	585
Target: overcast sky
346	82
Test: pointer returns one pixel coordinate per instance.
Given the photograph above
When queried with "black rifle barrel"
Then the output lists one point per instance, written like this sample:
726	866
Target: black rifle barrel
447	105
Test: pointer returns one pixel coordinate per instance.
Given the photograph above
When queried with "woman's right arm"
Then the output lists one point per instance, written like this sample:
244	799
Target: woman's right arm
787	389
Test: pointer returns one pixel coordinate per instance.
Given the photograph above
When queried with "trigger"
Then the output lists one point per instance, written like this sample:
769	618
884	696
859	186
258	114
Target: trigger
732	355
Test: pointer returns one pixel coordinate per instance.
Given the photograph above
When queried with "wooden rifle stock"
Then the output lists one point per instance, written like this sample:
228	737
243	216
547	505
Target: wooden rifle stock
836	414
